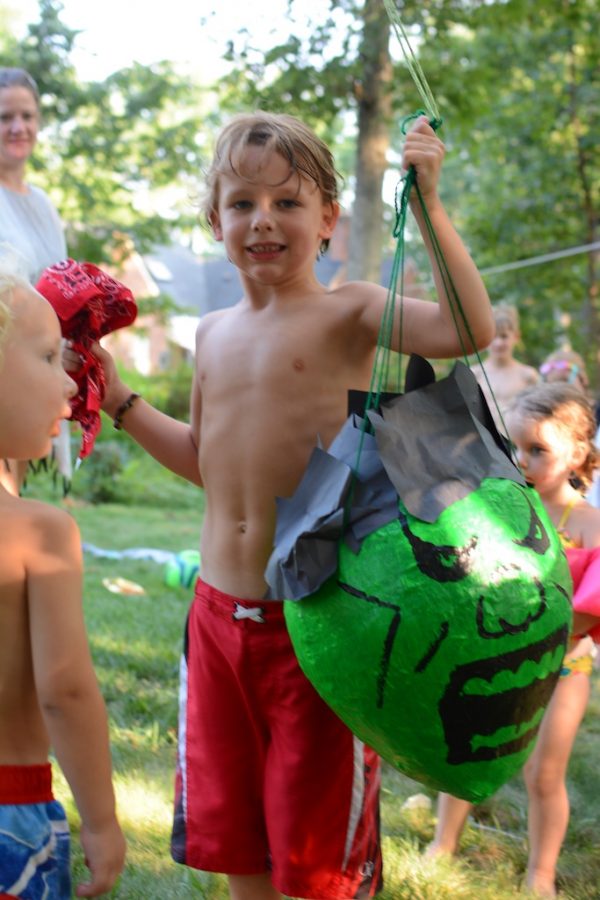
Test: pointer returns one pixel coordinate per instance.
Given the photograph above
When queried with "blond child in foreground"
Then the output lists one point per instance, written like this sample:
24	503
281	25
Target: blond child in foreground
271	788
502	376
552	427
49	695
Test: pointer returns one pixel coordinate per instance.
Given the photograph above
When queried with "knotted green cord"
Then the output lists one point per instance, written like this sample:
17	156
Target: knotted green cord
435	120
381	366
412	62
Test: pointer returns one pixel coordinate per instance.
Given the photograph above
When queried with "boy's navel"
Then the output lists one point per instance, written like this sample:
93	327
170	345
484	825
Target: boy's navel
299	365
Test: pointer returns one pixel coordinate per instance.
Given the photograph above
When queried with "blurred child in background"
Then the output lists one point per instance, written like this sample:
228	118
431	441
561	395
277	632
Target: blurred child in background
502	376
552	427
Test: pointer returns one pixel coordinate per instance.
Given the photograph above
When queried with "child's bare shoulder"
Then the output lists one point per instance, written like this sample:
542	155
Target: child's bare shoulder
208	321
38	540
528	374
210	318
358	300
40	528
587	521
358	291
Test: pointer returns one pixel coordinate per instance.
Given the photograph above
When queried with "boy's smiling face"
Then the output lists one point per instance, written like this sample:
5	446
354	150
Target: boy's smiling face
271	219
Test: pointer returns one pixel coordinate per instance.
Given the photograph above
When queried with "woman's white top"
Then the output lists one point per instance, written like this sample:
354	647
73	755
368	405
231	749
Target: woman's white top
30	223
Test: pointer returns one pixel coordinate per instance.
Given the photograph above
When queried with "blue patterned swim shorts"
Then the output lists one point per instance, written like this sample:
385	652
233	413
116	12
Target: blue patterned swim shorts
34	842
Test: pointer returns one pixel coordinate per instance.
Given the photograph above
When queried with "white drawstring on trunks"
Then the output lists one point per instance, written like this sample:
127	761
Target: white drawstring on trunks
254	613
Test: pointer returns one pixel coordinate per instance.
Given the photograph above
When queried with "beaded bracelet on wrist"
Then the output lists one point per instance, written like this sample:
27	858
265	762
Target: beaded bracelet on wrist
123	408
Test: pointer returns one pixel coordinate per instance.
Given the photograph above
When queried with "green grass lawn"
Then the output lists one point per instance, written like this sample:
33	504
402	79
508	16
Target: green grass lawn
136	645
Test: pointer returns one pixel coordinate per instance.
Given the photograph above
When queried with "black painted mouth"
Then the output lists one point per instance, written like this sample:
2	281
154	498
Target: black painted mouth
469	718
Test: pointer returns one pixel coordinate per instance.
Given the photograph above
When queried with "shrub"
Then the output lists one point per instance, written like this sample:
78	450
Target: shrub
97	480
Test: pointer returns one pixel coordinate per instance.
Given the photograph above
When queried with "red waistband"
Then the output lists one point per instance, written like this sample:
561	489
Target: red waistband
227	606
26	784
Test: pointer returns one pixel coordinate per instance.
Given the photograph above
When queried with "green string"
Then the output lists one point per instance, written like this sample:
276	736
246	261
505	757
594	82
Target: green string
413	65
380	376
431	110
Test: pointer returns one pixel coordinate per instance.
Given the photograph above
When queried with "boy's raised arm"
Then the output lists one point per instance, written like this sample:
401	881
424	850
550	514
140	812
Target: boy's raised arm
170	442
437	329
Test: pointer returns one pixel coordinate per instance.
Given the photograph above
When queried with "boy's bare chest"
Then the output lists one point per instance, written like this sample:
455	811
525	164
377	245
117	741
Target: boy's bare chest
298	354
506	383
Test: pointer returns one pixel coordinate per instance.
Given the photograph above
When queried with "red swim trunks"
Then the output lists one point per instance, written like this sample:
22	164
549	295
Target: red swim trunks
268	778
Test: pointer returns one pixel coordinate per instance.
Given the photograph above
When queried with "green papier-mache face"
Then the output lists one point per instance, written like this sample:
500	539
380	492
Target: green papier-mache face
439	644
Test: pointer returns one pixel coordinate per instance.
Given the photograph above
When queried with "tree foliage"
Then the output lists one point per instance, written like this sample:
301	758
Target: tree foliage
520	89
103	142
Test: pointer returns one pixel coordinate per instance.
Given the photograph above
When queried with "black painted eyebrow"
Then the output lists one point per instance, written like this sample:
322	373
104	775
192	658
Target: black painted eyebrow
388	644
433	648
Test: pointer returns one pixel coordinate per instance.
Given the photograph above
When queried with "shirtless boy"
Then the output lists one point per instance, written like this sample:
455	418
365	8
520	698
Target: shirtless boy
49	695
506	376
271	788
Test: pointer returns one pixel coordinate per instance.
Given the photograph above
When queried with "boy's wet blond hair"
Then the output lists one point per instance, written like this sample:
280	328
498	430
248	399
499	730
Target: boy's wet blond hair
569	410
11	276
506	316
307	155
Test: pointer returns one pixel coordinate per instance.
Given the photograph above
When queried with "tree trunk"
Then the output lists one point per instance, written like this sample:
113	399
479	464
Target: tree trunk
590	302
374	110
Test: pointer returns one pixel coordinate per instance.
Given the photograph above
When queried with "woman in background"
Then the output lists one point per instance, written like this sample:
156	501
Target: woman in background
28	220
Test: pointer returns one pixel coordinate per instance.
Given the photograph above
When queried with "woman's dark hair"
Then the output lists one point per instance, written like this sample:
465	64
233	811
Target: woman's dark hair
13	77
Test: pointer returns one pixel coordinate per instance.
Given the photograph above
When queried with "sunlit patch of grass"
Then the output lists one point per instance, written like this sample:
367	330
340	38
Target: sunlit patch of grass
409	875
145	809
143	799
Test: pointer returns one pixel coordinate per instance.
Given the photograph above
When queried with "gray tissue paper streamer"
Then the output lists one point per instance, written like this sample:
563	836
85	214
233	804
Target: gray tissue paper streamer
432	446
312	521
437	444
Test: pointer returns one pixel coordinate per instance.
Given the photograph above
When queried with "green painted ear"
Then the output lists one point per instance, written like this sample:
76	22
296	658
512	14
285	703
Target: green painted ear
439	644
